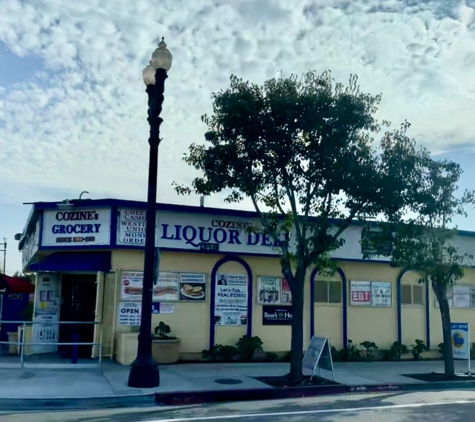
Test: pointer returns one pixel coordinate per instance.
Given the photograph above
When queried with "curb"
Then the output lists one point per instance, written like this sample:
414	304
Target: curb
258	394
116	402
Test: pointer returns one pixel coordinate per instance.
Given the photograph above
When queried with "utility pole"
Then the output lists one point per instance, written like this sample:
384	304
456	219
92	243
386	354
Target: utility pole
4	250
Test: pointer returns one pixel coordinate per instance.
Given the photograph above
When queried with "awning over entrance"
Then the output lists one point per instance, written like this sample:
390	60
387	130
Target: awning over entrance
15	285
74	261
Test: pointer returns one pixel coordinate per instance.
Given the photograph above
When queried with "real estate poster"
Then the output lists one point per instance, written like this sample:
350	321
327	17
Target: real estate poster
231	298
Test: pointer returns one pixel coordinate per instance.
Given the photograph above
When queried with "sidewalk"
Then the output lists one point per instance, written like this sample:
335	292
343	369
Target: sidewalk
110	386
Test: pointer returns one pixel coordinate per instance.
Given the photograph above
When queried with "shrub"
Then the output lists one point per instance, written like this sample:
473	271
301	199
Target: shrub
418	348
271	356
369	348
163	332
220	353
338	355
396	350
353	352
247	347
441	349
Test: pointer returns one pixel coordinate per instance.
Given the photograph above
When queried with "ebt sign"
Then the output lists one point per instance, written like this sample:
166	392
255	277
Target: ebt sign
75	227
189	231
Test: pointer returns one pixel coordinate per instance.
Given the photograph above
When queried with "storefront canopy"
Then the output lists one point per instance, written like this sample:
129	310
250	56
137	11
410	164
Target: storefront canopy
15	285
74	261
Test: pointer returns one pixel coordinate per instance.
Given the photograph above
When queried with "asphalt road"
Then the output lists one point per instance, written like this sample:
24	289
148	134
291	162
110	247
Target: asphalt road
446	406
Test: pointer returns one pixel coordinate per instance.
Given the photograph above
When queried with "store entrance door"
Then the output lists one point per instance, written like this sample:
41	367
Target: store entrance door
78	294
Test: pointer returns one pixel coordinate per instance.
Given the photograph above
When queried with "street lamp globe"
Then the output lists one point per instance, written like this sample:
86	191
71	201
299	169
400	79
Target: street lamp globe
161	57
148	75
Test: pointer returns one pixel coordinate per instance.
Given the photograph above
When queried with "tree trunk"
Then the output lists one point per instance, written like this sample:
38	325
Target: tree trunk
441	294
297	288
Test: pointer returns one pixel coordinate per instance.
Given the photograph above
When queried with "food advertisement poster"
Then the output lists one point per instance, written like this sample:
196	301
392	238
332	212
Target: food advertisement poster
131	285
170	286
192	287
269	290
231	299
166	287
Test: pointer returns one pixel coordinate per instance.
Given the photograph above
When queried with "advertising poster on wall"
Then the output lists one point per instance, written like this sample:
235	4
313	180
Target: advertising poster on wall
269	290
131	285
192	287
231	299
461	297
165	289
360	293
381	293
286	293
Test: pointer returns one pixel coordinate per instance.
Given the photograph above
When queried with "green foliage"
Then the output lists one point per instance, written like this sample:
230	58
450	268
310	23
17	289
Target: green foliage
271	356
247	347
369	348
418	348
354	353
441	349
302	150
338	355
220	353
163	332
396	350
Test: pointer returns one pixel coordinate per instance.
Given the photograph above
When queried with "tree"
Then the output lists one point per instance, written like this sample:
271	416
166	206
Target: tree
426	245
301	149
25	276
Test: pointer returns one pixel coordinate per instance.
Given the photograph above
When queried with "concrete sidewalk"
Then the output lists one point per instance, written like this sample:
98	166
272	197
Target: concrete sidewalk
87	383
84	388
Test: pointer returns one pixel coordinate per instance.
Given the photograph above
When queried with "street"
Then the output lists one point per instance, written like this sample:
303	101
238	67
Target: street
447	406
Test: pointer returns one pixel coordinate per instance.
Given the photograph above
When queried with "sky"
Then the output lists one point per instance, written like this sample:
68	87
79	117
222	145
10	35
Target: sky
73	104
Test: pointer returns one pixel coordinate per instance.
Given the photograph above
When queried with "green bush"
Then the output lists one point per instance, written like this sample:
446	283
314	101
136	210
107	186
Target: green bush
418	348
441	349
271	356
396	350
353	352
247	347
220	353
369	348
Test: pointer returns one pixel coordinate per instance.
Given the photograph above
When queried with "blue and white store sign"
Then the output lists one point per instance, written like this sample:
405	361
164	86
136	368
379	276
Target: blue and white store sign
191	231
460	335
76	227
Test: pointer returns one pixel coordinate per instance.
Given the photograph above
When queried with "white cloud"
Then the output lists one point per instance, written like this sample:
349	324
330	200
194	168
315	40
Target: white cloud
80	122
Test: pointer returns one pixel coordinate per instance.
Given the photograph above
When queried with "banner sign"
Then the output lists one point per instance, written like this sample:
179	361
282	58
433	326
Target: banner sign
371	293
460	334
276	315
360	293
76	227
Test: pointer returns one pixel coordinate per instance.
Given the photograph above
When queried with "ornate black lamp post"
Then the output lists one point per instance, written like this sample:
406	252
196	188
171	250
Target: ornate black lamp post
144	372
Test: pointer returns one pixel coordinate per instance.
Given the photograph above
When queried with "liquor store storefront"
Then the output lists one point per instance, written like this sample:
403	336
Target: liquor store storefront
216	282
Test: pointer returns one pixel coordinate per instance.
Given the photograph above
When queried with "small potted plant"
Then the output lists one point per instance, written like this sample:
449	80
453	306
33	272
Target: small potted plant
165	347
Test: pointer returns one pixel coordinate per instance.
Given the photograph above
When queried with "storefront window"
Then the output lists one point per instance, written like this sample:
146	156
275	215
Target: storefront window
327	291
412	294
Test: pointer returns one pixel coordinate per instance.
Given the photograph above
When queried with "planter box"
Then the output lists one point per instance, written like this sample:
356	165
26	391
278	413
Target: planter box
126	350
166	351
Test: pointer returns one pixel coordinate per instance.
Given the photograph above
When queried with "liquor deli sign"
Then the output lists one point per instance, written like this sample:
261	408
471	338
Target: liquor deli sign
178	230
76	227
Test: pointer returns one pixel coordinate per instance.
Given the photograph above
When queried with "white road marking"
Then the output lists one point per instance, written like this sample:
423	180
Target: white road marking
311	412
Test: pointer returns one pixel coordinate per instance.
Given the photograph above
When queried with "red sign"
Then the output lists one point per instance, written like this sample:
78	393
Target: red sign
364	297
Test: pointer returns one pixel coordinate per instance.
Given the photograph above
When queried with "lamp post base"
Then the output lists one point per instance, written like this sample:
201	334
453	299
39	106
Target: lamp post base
144	374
